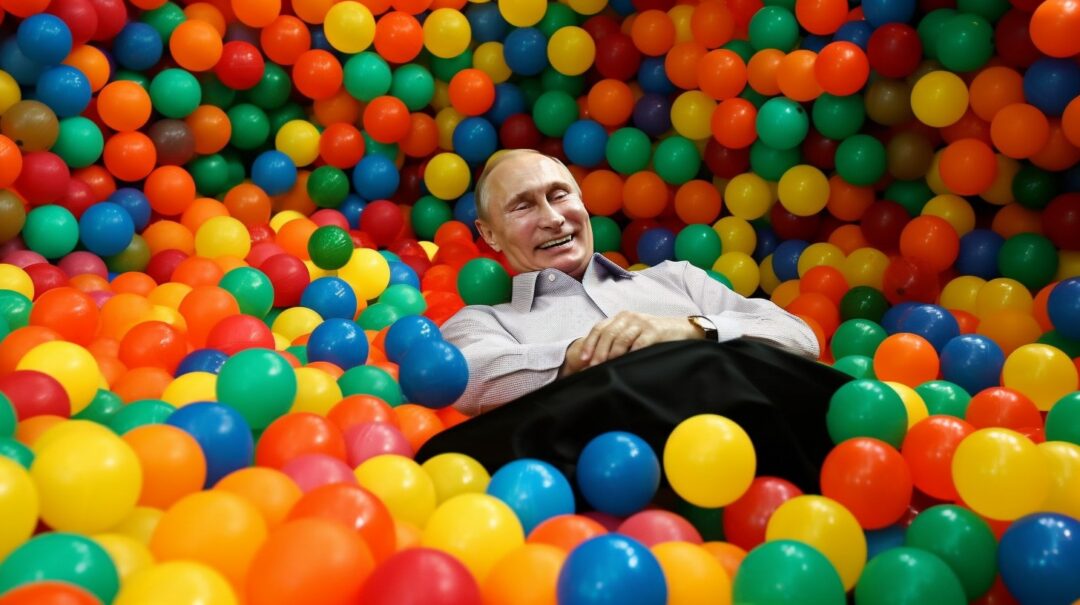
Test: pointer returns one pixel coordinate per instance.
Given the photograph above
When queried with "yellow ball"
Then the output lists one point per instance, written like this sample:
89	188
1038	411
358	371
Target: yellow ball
316	392
571	51
534	565
19	506
447	33
709	460
401	484
962	292
139	524
933	176
741	269
1068	265
804	190
176	583
1042	372
736	235
477	529
1000	191
10	92
169	294
587	7
298	139
222	236
694	576
285	216
440	100
769	280
367	272
818	254
954	209
189	388
447	176
827	526
914	404
445	122
456	474
71	365
1000	474
939	98
489	58
681	17
865	267
691	115
1003	294
786	292
295	322
1063	464
15	279
129	555
88	479
748	196
349	27
523	13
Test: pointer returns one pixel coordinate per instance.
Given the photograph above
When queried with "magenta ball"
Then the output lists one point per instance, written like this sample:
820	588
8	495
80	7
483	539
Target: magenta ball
314	470
23	258
652	527
83	263
370	439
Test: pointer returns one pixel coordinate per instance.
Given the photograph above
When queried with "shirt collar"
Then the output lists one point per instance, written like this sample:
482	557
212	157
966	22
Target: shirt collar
524	285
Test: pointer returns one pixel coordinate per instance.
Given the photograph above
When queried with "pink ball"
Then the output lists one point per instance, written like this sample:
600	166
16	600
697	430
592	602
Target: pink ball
83	263
314	470
23	258
652	527
370	439
329	216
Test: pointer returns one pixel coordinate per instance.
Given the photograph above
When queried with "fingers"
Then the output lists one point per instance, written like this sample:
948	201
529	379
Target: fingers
589	345
625	340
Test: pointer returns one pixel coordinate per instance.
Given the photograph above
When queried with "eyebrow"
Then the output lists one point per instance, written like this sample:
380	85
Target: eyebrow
524	195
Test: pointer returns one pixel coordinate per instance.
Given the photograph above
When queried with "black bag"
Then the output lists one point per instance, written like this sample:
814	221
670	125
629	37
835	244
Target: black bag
779	399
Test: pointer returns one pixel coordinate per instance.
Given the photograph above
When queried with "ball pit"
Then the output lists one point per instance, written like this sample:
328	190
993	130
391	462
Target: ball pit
230	233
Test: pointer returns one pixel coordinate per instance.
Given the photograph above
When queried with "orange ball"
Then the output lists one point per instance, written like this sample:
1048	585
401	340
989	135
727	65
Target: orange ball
195	45
841	68
249	204
130	156
610	102
818	307
203	308
423	137
1058	154
417	424
153	344
141	383
534	565
821	17
256	13
170	190
932	240
169	235
200	211
102	184
69	312
1014	219
357	409
172	462
1054	27
681	64
197	271
697	201
1010	329
19	341
399	37
761	71
472	92
11	161
721	74
1019	130
317	74
906	358
733	123
285	39
121	312
93	63
202	11
211	128
847	202
294	235
968	167
645	195
341	107
1070	122
653	32
712	23
848	238
797	79
124	105
271	491
312	11
386	119
826	280
566	531
994	88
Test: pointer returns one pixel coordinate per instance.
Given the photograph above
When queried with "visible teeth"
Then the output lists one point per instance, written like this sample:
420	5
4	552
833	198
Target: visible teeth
556	242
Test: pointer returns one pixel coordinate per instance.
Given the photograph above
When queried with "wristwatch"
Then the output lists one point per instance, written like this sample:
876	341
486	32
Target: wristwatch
706	326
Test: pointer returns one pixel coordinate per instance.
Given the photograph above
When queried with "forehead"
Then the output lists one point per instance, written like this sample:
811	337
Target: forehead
524	172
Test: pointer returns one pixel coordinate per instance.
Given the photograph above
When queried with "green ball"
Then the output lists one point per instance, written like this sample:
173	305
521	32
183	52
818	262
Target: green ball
930	30
554	112
175	93
782	123
755	97
62	557
607	237
676	160
165	19
14	450
428	214
557	17
532	88
235	165
273	89
330	247
908	575
250	126
944	398
51	231
79	143
259	384
134	258
771	164
786	571
103	407
373	147
912	195
133	76
966	42
698	244
708	521
211	174
1030	259
861	160
14	309
214	92
552	79
483	281
445	69
367	75
140	413
405	298
628	150
1034	187
378	316
962	540
991	10
370	380
838	117
1055	339
328	186
251	288
857	337
285	114
867	408
774	27
5	329
720	277
743	48
8	420
298	351
856	366
1063	421
863	302
414	85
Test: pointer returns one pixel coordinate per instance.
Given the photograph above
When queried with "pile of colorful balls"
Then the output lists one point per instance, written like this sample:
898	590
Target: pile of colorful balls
231	229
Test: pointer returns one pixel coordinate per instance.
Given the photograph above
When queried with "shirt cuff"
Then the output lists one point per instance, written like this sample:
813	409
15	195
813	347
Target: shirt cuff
549	355
727	328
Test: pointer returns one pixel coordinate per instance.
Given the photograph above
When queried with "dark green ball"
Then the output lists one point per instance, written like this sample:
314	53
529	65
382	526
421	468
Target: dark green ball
330	247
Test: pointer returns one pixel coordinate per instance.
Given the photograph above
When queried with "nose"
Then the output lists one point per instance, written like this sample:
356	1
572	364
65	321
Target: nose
550	218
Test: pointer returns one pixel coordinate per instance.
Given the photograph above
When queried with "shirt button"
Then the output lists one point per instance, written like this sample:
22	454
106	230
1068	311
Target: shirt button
551	277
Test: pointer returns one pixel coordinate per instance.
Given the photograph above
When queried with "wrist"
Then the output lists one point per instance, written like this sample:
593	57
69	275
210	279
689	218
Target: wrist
703	328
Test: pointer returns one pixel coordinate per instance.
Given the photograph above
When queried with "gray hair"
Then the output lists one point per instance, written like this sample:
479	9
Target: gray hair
480	194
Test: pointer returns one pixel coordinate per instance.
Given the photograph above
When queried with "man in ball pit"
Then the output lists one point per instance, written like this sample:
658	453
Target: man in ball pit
572	310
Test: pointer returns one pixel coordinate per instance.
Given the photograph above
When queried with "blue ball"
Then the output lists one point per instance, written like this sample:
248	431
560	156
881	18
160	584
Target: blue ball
1039	556
389	256
339	341
1050	84
972	361
534	490
376	177
487	22
274	172
618	473
475	139
106	229
767	241
814	43
18	66
433	373
509	100
525	51
978	253
136	204
1063	307
330	297
856	32
405	333
400	273
44	39
138	46
933	323
880	12
584	143
465	211
222	434
656	246
352	207
202	360
881	540
652	114
894	315
626	569
64	89
623	7
652	76
319	41
785	258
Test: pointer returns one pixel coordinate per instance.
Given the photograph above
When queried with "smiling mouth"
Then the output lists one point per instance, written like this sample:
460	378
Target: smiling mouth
557	243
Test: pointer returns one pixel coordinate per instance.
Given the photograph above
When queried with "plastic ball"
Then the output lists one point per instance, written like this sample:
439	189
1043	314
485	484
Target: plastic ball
61	557
1013	485
222	433
433	373
781	569
625	565
696	448
1035	555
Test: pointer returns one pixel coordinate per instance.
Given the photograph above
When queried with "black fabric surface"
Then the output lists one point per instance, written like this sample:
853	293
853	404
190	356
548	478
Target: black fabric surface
778	398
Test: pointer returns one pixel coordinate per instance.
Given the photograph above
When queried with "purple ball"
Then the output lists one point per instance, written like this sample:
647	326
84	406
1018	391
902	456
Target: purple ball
652	114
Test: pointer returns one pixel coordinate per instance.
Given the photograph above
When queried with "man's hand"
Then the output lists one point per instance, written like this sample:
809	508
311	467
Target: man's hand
622	333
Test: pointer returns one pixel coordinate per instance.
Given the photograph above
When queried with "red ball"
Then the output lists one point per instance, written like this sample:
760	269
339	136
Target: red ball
882	224
112	17
726	162
46	277
870	478
616	56
162	264
1013	41
383	221
928	449
745	519
599	26
35	394
819	150
911	280
519	131
79	16
421	575
1002	407
153	344
387	119
354	507
78	198
895	50
239	332
241	65
652	527
791	226
1061	221
298	434
289	276
44	178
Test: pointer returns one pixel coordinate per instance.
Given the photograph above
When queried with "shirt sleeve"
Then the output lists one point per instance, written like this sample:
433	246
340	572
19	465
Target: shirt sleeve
501	369
737	316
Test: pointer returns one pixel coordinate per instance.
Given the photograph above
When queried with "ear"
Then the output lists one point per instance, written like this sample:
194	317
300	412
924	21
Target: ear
485	232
